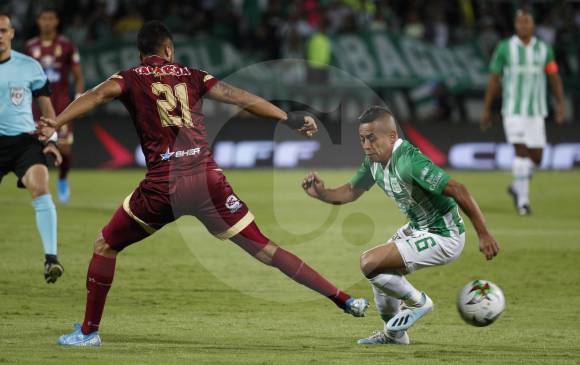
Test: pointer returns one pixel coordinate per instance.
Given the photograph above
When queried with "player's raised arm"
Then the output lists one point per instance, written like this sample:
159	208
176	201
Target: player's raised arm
314	187
98	95
260	107
487	244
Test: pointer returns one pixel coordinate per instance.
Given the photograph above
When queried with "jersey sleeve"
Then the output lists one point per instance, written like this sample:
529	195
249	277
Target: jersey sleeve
498	59
428	175
363	178
551	65
38	78
119	78
204	80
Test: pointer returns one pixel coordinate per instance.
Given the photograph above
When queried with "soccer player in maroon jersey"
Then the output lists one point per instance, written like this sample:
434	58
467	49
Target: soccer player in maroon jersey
164	100
59	58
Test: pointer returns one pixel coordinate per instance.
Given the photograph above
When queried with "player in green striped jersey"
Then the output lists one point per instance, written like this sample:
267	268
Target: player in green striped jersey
435	234
522	63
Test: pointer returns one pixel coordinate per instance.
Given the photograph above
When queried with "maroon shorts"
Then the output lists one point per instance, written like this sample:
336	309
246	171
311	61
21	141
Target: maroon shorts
206	195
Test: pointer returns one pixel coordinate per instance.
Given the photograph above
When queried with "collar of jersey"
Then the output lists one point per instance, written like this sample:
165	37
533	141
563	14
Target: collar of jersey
8	59
531	44
398	143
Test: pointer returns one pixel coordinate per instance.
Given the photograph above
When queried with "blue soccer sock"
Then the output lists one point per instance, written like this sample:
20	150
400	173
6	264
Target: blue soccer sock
46	222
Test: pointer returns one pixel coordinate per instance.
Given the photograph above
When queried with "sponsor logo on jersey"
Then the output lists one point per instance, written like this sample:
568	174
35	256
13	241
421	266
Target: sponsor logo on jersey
16	95
233	203
434	181
395	185
178	154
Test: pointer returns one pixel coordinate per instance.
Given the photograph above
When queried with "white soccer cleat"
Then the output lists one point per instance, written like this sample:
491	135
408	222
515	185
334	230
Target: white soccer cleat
409	315
357	306
383	338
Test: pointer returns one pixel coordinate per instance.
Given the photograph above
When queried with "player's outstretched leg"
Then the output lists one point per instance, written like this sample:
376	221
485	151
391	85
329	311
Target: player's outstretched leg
382	265
36	181
387	307
259	246
99	280
120	232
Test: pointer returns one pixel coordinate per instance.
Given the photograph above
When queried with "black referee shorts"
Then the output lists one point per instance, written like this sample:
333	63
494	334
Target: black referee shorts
18	153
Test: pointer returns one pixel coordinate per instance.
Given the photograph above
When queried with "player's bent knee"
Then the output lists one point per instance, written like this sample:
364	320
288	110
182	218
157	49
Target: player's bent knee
101	247
368	264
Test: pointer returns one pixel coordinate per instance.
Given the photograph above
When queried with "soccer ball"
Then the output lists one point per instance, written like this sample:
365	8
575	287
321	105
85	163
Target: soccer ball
480	303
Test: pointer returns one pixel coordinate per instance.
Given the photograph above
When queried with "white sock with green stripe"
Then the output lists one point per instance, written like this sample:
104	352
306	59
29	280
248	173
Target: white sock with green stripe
397	286
521	171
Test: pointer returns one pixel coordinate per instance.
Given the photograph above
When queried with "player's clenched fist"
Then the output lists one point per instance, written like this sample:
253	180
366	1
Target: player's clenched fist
45	128
313	185
303	122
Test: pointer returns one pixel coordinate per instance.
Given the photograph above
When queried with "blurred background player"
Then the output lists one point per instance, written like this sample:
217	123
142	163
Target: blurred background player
435	234
21	81
164	100
522	63
59	58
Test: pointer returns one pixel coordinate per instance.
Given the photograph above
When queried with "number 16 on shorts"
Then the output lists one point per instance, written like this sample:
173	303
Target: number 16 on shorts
422	244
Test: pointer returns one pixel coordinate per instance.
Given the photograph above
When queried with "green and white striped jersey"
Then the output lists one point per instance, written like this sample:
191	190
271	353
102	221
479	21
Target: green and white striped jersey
416	184
523	72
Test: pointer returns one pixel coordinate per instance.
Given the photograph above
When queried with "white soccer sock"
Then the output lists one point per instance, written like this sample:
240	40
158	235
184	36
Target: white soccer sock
521	171
397	286
387	307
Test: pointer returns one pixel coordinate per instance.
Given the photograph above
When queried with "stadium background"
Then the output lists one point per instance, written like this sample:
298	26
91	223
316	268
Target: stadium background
181	297
426	59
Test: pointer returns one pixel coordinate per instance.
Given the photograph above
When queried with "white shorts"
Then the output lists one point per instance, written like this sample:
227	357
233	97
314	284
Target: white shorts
421	249
529	131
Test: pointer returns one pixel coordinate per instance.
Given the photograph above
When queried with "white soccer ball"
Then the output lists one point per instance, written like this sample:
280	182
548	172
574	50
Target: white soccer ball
480	303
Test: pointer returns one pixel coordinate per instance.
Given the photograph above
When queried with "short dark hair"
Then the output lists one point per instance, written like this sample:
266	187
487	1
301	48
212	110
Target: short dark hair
151	37
373	113
7	15
47	9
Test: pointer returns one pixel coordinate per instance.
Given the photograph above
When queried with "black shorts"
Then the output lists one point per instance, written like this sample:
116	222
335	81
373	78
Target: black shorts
18	153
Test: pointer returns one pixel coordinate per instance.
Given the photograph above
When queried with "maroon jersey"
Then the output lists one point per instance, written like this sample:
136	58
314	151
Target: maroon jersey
164	100
57	58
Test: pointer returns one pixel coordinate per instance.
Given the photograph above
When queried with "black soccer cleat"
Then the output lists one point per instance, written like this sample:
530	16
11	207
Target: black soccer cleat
524	210
52	269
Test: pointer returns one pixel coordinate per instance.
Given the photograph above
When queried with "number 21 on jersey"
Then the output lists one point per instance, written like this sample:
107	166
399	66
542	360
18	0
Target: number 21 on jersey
169	97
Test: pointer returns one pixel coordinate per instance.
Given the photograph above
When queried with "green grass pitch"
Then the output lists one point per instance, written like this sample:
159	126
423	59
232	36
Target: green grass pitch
183	297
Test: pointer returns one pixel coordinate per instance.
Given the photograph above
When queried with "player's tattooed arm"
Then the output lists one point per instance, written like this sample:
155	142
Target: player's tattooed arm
260	107
487	243
314	187
100	94
251	103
